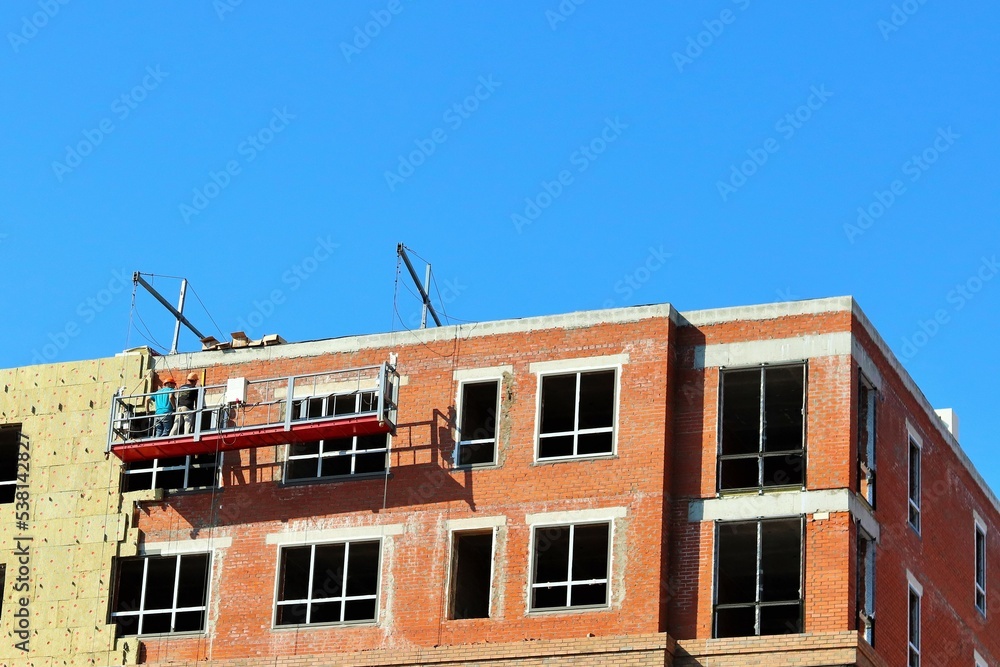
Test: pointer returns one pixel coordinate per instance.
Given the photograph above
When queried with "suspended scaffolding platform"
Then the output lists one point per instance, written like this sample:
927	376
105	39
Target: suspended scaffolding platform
302	408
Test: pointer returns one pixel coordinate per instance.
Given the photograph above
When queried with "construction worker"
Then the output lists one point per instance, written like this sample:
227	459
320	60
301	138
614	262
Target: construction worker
163	415
187	400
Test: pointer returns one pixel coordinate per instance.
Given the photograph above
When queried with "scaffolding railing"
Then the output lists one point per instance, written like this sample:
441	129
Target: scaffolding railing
273	404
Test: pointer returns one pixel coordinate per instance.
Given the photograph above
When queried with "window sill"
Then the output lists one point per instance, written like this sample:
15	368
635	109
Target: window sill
335	480
194	634
324	626
574	459
475	466
756	491
567	610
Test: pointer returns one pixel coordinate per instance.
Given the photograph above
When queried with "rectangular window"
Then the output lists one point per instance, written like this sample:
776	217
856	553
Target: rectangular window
328	583
914	629
866	586
10	447
758	578
340	457
477	423
471	574
981	567
199	471
570	566
914	484
866	440
160	594
577	415
762	435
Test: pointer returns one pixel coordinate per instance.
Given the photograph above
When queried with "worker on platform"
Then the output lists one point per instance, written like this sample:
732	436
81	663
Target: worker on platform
187	399
163	402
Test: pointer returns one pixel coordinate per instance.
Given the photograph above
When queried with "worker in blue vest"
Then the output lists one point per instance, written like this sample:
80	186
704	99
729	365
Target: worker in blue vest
163	416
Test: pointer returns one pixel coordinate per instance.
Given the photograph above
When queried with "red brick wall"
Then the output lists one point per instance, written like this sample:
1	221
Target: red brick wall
828	451
423	492
942	557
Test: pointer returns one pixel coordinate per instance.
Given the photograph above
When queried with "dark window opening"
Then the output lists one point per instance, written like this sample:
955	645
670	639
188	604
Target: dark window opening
759	578
328	583
161	594
865	600
570	566
980	569
577	414
472	565
10	447
866	440
199	471
914	484
339	457
478	423
762	434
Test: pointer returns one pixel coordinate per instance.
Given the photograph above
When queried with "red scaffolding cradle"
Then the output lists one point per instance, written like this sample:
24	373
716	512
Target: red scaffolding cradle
304	408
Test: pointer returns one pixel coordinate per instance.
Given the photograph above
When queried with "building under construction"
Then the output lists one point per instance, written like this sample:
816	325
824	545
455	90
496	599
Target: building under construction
639	486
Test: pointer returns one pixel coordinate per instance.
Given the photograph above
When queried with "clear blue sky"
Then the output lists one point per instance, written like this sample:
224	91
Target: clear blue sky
274	154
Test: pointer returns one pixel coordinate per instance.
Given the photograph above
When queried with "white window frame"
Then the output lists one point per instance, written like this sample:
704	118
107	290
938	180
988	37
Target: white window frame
477	526
914	588
570	582
914	505
980	660
343	597
156	469
980	586
570	367
464	380
174	609
334	453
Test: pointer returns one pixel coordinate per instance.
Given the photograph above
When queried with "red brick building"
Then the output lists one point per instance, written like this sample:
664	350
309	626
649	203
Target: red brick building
754	485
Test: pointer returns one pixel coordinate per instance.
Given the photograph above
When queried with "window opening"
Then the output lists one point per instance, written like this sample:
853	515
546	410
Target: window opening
577	414
570	566
328	583
762	436
759	578
472	572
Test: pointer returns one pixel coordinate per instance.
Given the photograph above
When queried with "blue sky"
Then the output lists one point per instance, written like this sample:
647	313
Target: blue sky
544	156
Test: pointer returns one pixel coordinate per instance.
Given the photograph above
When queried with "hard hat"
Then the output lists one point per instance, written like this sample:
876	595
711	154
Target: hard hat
192	376
169	380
